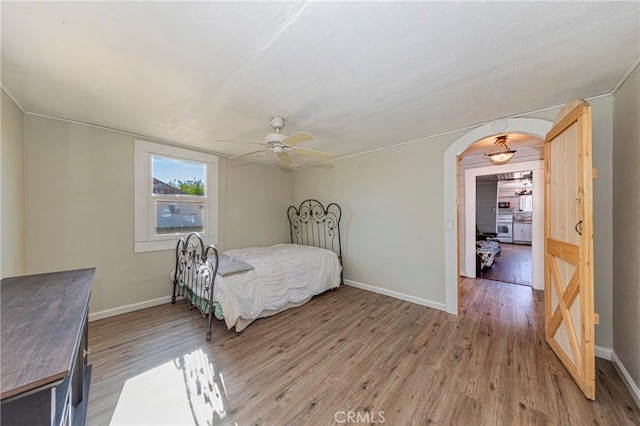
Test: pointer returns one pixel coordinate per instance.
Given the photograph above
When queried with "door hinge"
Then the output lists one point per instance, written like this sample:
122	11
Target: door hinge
594	173
596	318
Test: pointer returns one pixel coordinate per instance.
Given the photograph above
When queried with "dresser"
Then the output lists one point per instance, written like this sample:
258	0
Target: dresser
44	374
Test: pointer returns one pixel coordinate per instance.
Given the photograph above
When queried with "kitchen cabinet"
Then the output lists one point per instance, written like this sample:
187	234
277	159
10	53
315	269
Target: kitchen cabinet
522	232
528	234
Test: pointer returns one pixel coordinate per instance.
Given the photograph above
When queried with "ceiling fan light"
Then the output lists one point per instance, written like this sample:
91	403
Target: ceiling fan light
281	144
503	154
275	138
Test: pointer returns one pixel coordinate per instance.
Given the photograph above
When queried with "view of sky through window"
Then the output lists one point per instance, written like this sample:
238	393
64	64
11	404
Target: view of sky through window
173	176
169	169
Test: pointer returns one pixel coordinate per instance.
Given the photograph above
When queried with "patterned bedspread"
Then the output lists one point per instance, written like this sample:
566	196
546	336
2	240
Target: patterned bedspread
488	251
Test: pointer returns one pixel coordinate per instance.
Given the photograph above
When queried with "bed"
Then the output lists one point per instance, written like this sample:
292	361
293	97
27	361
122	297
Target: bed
486	253
242	285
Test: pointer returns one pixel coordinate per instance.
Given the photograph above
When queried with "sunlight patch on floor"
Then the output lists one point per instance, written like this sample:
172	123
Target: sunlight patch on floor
185	391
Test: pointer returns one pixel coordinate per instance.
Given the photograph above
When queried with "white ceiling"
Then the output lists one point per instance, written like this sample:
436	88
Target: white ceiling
513	185
357	75
508	181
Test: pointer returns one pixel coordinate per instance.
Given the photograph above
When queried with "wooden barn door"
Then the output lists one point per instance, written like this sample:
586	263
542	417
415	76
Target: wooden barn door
568	286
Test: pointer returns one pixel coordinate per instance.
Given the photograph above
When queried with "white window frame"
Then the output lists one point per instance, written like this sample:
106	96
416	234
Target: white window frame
145	238
525	203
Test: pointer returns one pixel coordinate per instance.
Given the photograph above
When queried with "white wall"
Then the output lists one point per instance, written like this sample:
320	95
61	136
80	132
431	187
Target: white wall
258	197
392	205
79	197
13	251
626	225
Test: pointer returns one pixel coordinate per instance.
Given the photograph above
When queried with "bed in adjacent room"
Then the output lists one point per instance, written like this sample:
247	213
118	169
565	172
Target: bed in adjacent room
245	284
486	253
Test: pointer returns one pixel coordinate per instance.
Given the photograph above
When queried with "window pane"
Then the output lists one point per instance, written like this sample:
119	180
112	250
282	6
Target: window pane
178	177
179	218
526	203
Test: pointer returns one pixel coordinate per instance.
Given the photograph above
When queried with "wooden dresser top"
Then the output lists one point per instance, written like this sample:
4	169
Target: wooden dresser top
42	319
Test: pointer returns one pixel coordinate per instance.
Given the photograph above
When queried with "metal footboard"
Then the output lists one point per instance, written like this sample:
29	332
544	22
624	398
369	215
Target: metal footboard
195	271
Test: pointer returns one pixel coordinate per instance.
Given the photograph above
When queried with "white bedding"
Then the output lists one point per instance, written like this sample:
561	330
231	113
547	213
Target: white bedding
284	274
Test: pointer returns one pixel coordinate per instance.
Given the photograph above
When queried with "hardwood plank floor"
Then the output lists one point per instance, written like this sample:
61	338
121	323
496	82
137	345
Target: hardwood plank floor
347	352
512	266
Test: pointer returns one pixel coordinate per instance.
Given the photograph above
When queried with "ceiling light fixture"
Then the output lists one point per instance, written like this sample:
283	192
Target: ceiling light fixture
501	153
524	191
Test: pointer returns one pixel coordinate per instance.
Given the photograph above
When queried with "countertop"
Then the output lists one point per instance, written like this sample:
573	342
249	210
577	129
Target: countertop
42	319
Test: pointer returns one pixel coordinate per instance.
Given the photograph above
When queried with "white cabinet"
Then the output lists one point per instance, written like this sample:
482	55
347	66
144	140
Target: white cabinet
522	232
528	235
518	232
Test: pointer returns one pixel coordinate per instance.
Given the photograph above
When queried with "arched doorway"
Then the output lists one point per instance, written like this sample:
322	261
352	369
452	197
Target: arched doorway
531	126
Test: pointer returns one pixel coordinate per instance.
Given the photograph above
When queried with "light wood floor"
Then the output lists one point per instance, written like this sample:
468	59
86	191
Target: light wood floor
348	350
512	266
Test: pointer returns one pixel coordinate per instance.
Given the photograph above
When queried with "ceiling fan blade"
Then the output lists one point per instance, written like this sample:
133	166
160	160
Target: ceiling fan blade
313	153
239	141
285	159
247	153
297	138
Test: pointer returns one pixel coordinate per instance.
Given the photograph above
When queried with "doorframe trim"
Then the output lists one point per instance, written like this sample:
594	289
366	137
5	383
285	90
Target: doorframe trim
530	126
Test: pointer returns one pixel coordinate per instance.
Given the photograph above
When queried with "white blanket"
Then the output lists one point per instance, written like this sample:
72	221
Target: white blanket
284	274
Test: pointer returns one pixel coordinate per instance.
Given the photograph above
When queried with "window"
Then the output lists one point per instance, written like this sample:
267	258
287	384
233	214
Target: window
526	203
176	193
179	195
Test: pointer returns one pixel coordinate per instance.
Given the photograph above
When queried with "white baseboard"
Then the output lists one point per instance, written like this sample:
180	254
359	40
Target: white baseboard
633	388
413	299
604	353
128	308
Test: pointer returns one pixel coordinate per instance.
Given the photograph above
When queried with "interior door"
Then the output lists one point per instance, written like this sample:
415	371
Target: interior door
568	287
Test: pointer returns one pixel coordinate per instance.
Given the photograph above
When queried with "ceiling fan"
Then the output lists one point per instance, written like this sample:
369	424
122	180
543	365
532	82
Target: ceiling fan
282	145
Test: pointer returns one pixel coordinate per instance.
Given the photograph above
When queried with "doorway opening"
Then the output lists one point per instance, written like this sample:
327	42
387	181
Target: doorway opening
500	215
568	234
504	219
455	241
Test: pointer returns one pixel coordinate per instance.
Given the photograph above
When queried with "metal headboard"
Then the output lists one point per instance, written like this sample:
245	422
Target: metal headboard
313	225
